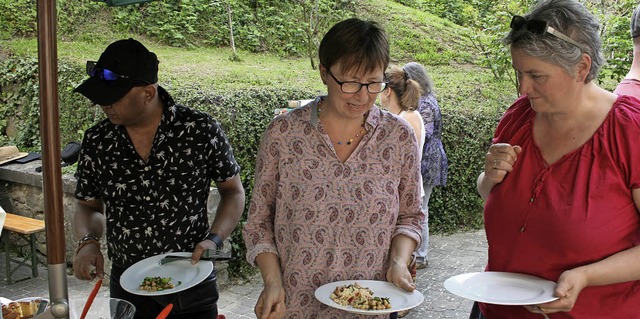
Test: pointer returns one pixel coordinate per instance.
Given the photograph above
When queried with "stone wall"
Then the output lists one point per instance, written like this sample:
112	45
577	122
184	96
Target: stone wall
21	194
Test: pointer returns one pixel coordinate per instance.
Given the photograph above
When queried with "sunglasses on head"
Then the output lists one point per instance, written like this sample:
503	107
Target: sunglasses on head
101	73
539	27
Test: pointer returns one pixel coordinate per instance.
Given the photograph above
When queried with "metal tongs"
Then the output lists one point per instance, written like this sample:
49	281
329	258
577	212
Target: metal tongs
209	254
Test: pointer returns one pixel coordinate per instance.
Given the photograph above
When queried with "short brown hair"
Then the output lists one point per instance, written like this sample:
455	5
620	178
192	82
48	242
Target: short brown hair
357	44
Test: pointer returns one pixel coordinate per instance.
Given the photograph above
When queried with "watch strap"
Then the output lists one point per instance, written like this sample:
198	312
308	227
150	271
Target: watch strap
216	239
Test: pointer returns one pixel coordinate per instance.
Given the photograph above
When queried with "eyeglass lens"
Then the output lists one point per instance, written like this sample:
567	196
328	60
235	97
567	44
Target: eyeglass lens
355	87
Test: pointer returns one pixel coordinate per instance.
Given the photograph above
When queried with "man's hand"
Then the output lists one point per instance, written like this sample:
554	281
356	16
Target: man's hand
200	248
87	259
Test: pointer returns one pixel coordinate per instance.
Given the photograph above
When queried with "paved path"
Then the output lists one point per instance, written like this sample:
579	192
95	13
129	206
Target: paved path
449	255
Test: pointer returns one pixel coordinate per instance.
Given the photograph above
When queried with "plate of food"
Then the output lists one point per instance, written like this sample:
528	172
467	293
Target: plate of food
22	308
502	288
369	297
150	278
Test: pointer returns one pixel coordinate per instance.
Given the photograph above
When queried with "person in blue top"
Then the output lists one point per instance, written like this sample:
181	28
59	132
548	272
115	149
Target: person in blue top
434	165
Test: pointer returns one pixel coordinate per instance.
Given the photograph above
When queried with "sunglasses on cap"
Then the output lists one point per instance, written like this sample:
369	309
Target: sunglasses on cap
103	74
539	27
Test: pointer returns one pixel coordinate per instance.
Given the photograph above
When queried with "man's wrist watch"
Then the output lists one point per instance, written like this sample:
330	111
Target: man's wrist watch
216	239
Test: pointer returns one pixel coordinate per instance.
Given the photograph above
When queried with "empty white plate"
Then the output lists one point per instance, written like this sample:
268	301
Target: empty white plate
502	288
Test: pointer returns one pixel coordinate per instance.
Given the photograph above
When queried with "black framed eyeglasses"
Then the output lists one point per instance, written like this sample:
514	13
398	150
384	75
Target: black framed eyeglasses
103	74
352	87
539	27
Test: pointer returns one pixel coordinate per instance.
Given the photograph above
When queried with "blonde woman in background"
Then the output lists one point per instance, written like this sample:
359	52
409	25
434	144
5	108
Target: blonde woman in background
401	97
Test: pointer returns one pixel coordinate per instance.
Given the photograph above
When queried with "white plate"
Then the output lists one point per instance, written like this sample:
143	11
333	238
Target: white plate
180	271
400	299
502	288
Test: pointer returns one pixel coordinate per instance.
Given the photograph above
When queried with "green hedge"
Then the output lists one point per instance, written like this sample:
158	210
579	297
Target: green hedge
244	114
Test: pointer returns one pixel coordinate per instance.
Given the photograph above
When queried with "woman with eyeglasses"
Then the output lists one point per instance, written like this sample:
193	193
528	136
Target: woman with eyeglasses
562	178
337	185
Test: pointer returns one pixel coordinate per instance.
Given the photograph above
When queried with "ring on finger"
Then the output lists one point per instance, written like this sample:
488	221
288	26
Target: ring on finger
495	164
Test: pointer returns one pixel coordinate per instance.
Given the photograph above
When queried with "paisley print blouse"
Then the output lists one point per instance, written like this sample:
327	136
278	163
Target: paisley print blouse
327	220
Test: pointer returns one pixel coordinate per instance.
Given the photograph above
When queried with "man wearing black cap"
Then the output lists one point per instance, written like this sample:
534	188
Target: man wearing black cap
630	85
147	170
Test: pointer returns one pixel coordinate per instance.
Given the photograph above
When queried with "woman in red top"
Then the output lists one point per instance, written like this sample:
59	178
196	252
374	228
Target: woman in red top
562	178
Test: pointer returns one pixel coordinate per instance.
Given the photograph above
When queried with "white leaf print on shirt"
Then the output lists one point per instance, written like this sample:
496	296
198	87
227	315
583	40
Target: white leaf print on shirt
121	187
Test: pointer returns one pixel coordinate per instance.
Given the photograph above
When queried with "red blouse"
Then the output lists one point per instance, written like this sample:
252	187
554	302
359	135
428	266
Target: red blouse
545	219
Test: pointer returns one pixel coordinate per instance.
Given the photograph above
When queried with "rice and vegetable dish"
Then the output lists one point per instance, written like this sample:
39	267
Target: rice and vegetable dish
359	297
157	283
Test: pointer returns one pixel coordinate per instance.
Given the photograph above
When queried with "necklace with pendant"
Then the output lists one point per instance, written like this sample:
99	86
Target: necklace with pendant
349	141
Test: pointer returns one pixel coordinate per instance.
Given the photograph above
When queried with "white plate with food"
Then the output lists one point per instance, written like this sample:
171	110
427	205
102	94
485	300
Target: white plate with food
23	308
398	298
181	274
502	288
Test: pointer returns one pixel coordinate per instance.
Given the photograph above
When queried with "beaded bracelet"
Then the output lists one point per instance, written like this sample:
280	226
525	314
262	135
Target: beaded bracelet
87	239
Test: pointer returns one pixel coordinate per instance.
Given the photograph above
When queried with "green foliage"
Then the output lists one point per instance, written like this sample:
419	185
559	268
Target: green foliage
412	38
466	137
617	46
20	104
18	18
490	22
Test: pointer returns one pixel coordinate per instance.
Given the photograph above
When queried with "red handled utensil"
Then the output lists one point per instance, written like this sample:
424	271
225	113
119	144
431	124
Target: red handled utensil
165	312
92	296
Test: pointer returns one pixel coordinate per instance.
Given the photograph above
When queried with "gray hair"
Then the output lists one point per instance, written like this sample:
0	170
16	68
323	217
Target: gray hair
416	71
635	23
573	20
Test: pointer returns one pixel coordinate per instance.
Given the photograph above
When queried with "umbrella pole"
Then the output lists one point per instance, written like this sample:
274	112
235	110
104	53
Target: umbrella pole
51	167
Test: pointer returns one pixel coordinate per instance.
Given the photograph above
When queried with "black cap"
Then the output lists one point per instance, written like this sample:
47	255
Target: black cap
127	58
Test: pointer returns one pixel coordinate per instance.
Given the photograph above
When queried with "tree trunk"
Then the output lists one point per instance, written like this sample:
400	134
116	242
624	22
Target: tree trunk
231	41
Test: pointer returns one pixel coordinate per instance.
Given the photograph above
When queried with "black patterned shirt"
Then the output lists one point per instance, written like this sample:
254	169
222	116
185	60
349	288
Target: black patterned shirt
161	205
